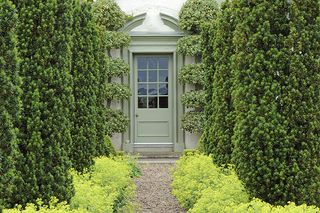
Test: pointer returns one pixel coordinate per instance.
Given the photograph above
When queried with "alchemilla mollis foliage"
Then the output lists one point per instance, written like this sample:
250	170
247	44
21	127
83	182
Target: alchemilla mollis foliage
10	105
44	44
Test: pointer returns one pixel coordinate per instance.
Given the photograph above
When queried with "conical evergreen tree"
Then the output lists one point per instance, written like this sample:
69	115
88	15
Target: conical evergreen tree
44	34
85	70
219	109
276	100
300	106
10	105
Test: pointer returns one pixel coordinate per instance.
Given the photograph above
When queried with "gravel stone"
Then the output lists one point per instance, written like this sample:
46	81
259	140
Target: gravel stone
154	189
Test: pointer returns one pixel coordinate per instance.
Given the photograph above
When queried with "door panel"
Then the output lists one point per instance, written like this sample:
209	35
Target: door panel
153	99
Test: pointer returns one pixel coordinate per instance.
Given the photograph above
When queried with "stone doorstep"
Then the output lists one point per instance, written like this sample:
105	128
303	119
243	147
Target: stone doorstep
162	155
158	160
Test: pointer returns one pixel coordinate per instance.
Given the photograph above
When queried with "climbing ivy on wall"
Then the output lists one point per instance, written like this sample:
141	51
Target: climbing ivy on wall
110	19
194	14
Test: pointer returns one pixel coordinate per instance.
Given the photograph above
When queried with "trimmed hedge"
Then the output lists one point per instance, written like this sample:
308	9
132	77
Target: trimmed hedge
193	121
111	18
219	108
116	91
192	74
196	12
10	105
45	40
116	68
277	126
86	87
117	121
194	99
109	15
115	40
190	45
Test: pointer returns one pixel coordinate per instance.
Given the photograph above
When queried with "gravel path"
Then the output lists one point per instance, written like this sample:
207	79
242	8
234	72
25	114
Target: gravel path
154	189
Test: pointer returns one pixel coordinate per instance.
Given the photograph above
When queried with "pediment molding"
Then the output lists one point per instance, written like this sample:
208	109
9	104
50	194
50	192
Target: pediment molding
167	20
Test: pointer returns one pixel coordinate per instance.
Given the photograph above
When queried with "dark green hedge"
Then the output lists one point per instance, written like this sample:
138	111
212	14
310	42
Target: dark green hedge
265	97
45	32
219	109
10	105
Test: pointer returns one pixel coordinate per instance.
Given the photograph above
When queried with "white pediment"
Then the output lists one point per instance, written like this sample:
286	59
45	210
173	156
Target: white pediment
152	16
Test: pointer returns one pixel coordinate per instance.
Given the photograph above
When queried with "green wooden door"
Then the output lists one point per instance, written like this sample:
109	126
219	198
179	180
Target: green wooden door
153	99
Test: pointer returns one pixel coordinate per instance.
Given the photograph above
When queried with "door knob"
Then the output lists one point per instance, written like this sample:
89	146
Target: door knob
137	115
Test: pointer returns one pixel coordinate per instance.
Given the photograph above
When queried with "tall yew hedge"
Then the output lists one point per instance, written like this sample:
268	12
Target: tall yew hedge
261	149
44	34
10	105
299	104
85	71
219	109
265	97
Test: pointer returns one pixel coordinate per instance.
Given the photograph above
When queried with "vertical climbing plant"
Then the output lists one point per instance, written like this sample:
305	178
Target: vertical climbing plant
111	18
192	16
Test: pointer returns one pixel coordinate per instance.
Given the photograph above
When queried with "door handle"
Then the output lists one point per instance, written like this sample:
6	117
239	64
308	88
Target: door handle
137	115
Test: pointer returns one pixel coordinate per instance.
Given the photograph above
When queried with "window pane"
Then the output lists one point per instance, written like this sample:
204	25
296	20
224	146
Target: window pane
153	76
163	63
142	89
153	102
163	102
142	102
142	63
153	89
163	89
142	76
153	63
163	75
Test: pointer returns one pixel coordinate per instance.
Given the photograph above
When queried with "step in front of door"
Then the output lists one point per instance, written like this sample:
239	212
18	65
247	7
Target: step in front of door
153	147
